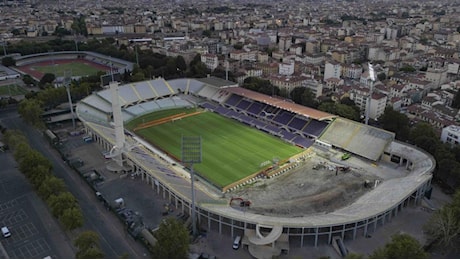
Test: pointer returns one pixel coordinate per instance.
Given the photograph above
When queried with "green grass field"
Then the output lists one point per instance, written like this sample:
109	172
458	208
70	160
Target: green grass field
76	68
12	90
230	150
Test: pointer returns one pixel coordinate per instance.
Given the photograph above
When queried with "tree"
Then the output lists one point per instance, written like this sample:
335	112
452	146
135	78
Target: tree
72	218
401	246
88	245
238	46
59	203
443	226
8	61
31	110
28	80
47	78
181	64
381	76
407	68
31	160
353	255
51	186
92	253
396	122
309	99
173	240
38	175
340	109
296	94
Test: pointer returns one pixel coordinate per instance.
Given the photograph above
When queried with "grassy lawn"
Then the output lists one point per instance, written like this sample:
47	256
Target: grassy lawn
76	68
12	89
230	150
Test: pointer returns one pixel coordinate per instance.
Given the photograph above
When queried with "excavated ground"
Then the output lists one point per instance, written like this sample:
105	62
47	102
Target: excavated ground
311	188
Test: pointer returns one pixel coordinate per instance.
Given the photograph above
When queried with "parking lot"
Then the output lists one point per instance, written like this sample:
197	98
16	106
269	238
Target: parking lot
21	212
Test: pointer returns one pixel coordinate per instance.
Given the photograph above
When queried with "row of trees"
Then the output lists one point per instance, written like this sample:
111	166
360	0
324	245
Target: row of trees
38	170
88	246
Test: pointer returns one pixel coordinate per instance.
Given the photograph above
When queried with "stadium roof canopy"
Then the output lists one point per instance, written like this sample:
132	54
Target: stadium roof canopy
217	82
363	140
283	104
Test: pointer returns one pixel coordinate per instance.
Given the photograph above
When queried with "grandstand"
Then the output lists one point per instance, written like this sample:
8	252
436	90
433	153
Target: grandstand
315	131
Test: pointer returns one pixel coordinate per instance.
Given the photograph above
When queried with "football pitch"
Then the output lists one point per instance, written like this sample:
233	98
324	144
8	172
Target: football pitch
75	68
230	150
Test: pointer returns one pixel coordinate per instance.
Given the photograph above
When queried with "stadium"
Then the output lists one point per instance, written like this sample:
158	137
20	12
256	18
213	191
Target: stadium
277	173
78	63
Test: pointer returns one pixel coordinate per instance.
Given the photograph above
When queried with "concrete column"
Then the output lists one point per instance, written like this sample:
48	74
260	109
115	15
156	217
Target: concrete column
209	221
354	230
220	225
231	228
375	223
301	238
365	227
316	237
329	239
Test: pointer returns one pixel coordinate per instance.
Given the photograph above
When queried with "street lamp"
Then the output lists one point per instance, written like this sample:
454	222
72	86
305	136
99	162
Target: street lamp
368	103
67	79
191	153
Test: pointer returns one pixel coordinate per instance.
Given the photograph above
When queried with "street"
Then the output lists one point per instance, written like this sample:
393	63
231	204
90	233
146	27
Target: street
114	240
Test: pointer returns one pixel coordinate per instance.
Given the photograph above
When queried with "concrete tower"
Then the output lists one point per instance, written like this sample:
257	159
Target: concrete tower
116	152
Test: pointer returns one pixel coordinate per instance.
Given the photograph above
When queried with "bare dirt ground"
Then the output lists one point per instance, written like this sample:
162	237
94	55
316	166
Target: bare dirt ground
313	187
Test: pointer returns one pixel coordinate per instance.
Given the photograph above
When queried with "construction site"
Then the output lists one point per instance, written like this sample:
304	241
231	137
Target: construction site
317	185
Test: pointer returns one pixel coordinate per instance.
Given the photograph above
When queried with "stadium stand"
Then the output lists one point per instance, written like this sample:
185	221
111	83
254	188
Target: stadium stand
297	123
220	96
315	128
283	117
208	92
233	100
161	88
194	86
255	108
366	141
145	90
243	104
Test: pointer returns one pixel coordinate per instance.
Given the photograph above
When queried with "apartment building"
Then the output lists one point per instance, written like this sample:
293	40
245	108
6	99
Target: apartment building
451	135
332	69
210	60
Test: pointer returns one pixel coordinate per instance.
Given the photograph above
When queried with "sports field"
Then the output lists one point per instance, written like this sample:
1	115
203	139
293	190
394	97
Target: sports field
75	68
230	150
12	89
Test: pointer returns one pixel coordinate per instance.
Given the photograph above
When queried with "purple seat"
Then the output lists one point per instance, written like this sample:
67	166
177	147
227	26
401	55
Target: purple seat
297	123
233	100
315	128
283	117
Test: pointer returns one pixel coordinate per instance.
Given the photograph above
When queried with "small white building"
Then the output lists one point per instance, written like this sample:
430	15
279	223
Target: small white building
210	60
332	69
286	68
451	135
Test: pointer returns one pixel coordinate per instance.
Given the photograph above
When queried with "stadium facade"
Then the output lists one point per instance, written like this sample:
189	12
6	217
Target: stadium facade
293	123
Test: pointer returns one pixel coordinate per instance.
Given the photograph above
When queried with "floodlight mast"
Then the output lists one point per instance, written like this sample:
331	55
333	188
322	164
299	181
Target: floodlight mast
368	101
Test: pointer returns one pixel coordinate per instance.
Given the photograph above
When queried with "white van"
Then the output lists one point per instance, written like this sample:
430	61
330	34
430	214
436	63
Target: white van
236	242
6	232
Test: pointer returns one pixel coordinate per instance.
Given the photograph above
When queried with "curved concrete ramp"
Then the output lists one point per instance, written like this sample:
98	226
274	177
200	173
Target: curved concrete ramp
263	252
260	239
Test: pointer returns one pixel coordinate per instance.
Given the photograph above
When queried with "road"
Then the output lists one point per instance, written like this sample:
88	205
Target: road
115	241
